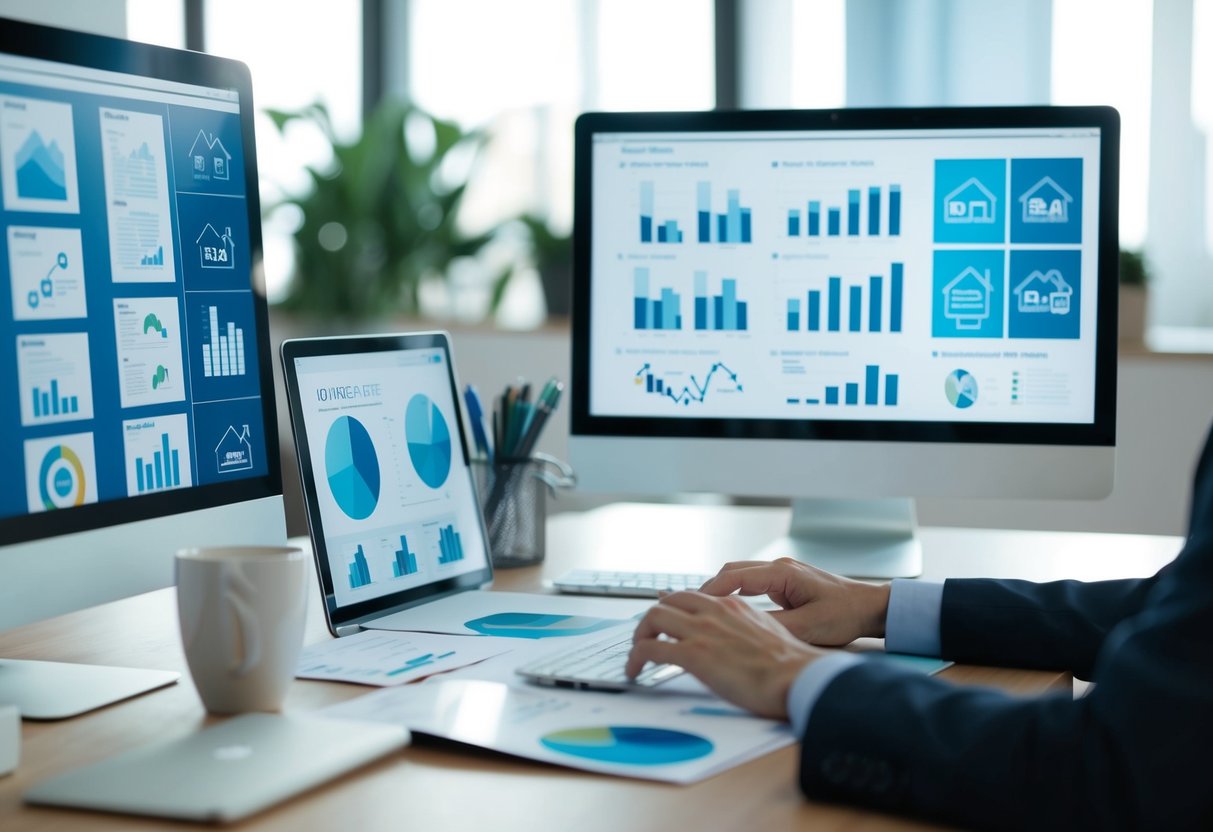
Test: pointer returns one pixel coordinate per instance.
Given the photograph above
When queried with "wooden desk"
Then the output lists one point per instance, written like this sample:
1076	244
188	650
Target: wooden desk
434	785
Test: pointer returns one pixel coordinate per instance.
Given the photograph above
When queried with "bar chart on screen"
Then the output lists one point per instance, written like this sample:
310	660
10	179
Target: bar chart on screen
871	304
849	211
157	454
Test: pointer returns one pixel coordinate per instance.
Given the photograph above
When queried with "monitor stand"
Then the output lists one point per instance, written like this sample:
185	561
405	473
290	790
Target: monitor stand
856	538
58	690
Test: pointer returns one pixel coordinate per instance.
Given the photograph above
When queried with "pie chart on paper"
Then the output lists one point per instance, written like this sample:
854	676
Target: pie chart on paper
352	468
429	440
629	744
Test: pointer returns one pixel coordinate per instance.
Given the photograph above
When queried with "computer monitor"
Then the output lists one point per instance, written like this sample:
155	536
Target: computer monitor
137	411
855	306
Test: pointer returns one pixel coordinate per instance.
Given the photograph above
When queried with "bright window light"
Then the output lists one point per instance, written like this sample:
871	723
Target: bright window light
1101	55
1202	99
819	54
161	22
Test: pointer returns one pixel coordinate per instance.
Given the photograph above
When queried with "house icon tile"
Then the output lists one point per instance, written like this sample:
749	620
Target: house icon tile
1043	293
1046	201
966	298
971	202
234	451
215	250
209	159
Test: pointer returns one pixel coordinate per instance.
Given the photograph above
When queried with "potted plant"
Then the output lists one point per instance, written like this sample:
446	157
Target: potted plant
381	219
1134	275
552	256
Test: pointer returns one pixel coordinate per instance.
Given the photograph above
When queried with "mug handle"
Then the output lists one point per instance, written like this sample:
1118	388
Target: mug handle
236	588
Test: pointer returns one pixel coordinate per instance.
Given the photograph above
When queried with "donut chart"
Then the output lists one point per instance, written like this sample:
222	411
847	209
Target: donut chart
61	480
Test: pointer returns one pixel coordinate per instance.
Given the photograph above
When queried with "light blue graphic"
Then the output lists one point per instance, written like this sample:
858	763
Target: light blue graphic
538	625
352	468
629	744
429	440
40	169
1047	197
961	389
968	289
970	200
1045	299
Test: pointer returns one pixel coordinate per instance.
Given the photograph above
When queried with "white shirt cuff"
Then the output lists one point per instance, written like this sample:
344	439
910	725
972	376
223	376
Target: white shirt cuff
810	684
912	625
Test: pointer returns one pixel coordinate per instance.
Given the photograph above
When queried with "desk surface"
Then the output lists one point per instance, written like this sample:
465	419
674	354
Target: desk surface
439	785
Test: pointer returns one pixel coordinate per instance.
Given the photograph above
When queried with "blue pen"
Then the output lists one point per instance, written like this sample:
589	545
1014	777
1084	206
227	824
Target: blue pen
476	416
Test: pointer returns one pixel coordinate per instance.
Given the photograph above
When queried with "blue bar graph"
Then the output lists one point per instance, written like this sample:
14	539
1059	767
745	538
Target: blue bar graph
164	471
360	573
406	561
723	312
450	547
856	209
857	393
667	231
663	313
50	403
155	258
854	303
735	225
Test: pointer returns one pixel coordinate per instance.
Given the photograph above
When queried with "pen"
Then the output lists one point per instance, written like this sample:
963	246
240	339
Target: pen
476	417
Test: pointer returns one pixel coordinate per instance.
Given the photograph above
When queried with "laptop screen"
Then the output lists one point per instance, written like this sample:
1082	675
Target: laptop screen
389	481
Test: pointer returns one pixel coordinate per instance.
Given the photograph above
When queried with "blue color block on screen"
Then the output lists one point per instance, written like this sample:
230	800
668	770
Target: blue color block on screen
970	200
968	294
1045	299
1047	200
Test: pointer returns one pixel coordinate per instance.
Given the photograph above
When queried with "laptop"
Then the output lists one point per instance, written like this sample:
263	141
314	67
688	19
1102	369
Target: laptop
387	480
223	773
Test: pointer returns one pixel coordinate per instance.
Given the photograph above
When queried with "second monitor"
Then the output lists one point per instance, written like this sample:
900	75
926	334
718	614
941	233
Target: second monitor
856	306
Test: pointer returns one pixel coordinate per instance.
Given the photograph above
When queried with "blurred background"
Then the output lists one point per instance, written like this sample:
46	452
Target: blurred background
416	161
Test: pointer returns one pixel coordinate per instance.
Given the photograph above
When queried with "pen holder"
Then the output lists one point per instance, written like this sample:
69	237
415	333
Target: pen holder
513	497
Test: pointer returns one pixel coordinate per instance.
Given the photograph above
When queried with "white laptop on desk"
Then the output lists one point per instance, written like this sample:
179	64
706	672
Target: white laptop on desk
387	481
392	508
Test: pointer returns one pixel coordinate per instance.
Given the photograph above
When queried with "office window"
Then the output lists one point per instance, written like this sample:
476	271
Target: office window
1102	55
161	22
525	69
1202	100
299	52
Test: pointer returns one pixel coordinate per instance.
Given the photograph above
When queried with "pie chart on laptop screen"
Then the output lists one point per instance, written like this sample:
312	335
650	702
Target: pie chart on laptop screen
429	440
352	468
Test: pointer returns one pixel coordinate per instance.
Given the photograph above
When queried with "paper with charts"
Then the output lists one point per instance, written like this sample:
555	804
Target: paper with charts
384	659
517	615
652	735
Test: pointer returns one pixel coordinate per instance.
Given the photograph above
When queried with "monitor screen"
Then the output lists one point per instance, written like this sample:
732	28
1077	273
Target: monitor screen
871	275
130	334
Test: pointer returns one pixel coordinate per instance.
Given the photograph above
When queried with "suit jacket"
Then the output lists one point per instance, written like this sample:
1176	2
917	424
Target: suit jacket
1135	753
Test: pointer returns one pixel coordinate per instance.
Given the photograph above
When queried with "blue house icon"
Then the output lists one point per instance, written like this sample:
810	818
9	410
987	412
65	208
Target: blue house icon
1046	201
972	202
966	298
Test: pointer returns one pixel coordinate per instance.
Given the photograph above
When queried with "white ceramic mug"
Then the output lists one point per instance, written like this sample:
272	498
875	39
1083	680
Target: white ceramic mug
242	611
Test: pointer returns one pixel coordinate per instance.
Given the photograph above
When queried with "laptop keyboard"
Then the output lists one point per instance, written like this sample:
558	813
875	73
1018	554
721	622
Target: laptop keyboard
631	584
597	665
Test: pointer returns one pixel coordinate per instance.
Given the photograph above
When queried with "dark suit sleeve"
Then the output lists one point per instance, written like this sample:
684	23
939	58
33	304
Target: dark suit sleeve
1133	754
1059	625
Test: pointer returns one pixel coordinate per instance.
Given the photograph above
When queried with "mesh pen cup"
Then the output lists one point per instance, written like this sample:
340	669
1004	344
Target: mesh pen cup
513	496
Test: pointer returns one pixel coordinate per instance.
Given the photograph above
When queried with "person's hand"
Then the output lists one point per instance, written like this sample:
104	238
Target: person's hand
818	607
743	655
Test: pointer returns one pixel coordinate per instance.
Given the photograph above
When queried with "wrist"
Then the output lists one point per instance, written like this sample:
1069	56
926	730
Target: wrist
877	609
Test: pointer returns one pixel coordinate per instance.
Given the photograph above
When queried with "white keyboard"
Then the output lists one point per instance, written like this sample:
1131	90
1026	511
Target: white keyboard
631	584
596	666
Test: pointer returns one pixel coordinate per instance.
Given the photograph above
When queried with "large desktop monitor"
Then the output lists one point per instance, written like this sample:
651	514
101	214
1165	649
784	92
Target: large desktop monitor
136	397
854	306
